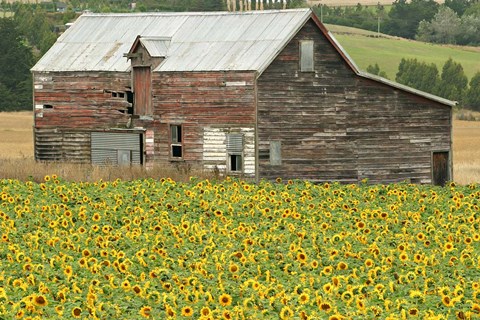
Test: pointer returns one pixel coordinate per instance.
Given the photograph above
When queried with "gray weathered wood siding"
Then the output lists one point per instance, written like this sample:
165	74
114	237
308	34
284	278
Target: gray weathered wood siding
335	125
199	100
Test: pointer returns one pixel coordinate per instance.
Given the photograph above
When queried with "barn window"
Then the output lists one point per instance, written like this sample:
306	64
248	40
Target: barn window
176	150
275	153
235	152
306	56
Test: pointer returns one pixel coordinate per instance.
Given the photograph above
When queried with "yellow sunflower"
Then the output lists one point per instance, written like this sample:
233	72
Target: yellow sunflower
187	311
40	301
145	311
225	299
205	311
286	313
448	246
77	312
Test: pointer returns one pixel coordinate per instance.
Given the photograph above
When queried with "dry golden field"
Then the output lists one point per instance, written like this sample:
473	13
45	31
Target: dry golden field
16	155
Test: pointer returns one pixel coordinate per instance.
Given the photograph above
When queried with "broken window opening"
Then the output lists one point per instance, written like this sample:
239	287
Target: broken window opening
116	94
176	141
235	162
130	99
235	151
47	106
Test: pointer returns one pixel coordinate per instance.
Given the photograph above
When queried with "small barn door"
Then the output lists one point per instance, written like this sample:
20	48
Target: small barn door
440	168
142	88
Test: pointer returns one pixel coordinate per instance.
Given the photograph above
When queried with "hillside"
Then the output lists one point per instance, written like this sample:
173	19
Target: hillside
366	48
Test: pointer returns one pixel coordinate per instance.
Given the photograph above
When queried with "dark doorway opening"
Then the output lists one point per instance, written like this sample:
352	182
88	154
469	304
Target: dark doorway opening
440	168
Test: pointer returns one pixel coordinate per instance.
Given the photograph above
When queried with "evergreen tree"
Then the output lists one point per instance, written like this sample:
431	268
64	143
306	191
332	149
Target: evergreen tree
472	99
418	75
404	17
35	27
453	82
16	59
459	6
375	69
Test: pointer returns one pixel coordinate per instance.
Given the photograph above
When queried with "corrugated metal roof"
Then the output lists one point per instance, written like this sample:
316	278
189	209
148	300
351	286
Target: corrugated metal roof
156	46
198	41
193	41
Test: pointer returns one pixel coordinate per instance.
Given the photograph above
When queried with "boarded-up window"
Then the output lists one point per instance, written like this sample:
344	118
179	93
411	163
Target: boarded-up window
306	56
176	141
142	88
275	153
235	152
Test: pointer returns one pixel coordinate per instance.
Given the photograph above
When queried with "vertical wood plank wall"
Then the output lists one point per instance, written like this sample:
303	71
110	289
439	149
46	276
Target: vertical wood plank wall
335	125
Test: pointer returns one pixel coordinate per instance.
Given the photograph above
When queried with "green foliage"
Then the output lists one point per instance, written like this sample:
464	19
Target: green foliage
418	75
16	59
445	27
448	27
473	10
453	83
35	26
459	6
375	69
472	99
470	30
362	17
404	17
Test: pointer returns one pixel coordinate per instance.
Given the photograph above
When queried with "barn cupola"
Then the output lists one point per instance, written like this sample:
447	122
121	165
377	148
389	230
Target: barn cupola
145	55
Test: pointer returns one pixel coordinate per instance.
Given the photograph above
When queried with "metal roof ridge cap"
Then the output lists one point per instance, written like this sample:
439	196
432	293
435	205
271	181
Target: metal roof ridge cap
196	13
407	88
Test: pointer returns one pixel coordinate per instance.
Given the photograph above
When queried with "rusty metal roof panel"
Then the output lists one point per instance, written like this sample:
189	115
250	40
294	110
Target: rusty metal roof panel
199	41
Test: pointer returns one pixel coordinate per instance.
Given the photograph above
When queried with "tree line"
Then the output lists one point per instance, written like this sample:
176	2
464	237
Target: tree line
451	83
24	38
453	22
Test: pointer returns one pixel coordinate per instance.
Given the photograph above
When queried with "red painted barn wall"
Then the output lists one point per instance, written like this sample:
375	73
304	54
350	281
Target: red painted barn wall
80	100
197	100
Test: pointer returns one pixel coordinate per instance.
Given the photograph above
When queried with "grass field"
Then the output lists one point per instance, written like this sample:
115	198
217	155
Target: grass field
366	48
16	150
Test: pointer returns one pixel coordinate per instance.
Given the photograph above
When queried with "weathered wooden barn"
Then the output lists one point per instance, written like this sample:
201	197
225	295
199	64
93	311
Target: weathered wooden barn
261	94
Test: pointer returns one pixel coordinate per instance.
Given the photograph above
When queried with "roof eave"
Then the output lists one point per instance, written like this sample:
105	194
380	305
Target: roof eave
407	89
367	75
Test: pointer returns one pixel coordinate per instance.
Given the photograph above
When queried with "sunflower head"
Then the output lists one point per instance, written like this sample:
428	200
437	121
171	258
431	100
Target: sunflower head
187	311
145	311
40	301
225	299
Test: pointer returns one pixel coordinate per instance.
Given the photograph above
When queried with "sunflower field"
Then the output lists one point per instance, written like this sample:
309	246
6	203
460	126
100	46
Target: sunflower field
231	249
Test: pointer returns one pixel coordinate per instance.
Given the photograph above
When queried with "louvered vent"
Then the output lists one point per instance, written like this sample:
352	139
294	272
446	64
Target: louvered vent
235	142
